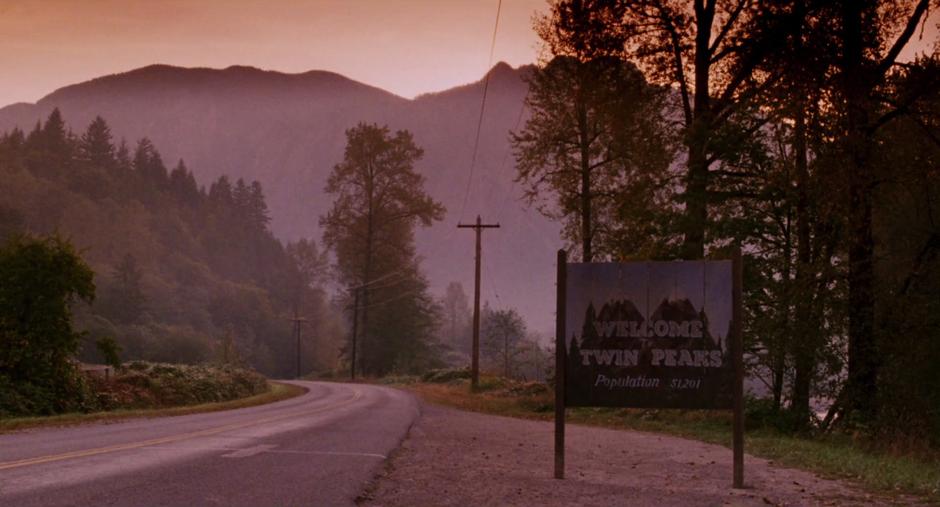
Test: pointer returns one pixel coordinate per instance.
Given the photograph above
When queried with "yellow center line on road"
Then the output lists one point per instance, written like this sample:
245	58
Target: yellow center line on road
172	438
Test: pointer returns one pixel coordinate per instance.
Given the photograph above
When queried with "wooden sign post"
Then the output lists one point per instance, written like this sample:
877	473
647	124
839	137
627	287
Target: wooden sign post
560	361
650	335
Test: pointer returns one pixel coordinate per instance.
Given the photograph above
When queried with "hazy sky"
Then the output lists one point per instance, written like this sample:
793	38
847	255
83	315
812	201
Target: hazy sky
407	47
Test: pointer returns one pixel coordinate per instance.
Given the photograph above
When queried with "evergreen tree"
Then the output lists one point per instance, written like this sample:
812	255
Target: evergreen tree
49	147
220	193
128	297
148	165
183	185
95	147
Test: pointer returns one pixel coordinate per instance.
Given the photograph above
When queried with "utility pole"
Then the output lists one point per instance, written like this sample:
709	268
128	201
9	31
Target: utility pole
355	330
298	322
475	362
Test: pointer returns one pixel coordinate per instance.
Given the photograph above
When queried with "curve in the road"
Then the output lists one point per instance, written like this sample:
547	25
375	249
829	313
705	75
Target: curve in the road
173	438
320	448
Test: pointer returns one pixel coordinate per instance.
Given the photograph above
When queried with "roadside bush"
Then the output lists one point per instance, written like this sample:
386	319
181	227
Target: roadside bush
761	413
445	375
141	385
488	383
398	380
40	279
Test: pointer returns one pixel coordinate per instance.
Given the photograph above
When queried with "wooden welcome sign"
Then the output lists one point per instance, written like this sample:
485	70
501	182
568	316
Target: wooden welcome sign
649	335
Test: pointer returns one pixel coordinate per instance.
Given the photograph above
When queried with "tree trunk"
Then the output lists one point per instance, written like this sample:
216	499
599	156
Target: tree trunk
355	330
506	355
367	270
779	351
804	340
587	254
696	201
696	191
863	357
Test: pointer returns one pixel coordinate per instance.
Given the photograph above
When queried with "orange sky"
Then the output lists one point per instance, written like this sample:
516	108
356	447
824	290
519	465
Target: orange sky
404	46
407	47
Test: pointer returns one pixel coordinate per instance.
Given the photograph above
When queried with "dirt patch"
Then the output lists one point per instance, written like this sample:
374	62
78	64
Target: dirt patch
462	458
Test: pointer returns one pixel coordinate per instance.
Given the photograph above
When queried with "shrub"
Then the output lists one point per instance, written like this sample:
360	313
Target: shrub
445	375
142	384
40	278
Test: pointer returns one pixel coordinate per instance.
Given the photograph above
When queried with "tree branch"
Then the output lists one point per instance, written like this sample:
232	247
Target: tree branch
903	39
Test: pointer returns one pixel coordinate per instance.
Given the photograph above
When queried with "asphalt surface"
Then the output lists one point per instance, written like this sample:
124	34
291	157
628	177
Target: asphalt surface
321	448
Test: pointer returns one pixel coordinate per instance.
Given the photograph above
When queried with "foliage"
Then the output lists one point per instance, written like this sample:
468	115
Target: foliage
808	144
379	199
110	351
455	325
501	335
444	376
152	385
179	265
596	139
40	280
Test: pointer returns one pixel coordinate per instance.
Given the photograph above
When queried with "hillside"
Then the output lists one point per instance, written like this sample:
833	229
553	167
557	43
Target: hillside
287	131
182	274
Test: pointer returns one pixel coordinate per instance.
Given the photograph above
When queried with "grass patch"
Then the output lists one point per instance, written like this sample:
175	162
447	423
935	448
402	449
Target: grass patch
276	392
835	456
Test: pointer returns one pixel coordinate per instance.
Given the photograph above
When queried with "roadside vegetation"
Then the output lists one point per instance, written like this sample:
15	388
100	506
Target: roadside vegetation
141	388
41	279
155	385
877	465
274	392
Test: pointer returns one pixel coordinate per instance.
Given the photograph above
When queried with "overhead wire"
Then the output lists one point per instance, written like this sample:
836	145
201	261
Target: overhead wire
502	165
476	141
473	158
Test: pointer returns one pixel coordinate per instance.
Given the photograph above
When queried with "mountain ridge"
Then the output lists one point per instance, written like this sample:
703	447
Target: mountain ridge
288	131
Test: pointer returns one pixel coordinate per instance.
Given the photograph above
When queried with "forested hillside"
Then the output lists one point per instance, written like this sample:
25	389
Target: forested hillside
184	272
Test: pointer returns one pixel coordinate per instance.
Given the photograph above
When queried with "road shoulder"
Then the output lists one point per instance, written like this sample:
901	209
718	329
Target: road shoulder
458	458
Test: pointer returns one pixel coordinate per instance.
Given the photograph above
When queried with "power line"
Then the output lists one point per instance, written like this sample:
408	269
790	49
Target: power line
376	280
486	85
492	285
502	165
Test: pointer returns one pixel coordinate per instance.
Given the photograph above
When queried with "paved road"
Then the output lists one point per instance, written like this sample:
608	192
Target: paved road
317	449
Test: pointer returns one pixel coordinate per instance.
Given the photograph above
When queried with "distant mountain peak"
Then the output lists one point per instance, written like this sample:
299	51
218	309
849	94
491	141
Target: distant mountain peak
501	68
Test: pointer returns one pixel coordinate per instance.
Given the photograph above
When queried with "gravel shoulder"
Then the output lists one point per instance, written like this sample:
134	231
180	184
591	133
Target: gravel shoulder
456	458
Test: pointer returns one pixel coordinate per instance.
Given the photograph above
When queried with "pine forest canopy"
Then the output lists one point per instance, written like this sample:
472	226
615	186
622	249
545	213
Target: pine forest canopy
179	268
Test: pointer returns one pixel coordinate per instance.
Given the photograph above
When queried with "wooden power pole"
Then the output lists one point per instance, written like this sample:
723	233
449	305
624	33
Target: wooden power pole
355	332
298	323
475	361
